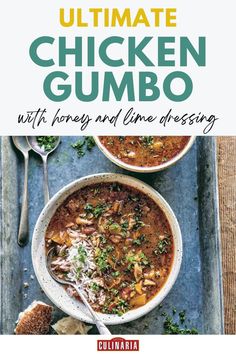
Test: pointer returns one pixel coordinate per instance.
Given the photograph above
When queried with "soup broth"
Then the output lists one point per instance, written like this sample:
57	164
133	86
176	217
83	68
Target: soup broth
144	151
114	241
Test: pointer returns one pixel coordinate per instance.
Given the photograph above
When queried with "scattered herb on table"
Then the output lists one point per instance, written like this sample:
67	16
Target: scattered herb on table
79	147
182	316
175	324
171	327
90	143
47	143
82	145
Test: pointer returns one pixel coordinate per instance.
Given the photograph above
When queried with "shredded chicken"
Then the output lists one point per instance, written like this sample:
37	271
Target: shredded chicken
81	221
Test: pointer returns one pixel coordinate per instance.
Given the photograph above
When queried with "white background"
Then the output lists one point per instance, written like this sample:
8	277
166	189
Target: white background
88	344
22	80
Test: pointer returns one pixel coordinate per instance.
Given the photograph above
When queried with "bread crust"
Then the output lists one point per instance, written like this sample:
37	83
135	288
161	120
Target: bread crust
35	319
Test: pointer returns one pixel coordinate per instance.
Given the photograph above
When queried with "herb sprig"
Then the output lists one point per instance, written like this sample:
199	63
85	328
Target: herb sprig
97	211
81	146
176	324
163	246
171	327
46	143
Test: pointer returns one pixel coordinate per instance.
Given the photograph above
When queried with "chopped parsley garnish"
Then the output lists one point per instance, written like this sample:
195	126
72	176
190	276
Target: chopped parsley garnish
139	258
110	142
115	274
144	259
122	303
103	239
138	225
94	286
114	227
125	224
114	291
82	145
171	327
89	208
131	258
47	143
133	198
110	248
138	241
97	210
124	284
78	272
90	143
121	307
82	254
78	146
115	187
101	260
162	246
96	191
182	316
147	140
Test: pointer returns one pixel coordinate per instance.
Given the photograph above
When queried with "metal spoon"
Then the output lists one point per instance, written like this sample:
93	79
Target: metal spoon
32	140
22	145
98	322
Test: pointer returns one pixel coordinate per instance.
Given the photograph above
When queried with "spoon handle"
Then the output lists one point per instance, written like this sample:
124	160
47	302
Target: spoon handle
23	234
102	328
45	180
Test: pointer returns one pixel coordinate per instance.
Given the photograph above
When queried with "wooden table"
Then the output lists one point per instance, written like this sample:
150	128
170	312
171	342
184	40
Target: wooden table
227	199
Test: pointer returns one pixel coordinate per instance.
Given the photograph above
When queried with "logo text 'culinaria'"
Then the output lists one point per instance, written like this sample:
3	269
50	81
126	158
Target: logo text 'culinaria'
118	344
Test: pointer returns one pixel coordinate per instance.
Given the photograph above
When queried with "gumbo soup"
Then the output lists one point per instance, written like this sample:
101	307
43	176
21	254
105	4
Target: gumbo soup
114	241
144	151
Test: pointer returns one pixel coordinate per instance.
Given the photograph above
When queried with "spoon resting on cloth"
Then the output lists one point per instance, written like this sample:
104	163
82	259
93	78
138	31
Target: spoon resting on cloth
22	145
43	151
98	322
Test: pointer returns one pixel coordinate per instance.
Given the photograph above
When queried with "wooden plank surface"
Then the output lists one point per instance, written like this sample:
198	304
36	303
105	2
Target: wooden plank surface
11	294
227	199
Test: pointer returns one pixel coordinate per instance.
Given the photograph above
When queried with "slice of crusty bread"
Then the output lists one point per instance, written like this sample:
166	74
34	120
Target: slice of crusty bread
35	319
